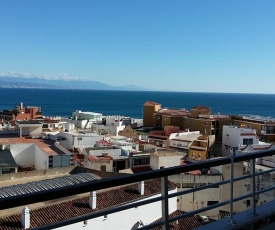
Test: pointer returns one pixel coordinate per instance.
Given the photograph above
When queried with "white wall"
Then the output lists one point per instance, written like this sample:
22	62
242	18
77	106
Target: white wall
116	138
86	141
233	136
124	145
96	164
24	154
169	161
126	220
29	155
107	129
196	200
68	142
31	130
164	161
154	163
73	142
41	159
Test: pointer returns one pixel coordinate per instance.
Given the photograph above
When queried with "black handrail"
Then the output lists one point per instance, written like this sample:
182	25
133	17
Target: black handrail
40	196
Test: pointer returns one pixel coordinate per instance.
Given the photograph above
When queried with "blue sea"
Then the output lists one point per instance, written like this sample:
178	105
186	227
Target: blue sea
61	102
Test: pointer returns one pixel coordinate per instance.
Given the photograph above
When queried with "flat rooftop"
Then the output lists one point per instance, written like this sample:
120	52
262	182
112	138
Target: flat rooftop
46	145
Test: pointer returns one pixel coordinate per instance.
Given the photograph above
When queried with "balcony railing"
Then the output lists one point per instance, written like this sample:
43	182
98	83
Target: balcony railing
35	197
265	132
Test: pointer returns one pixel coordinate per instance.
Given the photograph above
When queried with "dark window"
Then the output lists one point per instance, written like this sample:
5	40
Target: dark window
188	185
247	203
211	202
247	141
103	168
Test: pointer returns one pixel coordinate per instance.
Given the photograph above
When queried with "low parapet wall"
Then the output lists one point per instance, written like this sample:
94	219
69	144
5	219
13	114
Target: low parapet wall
36	173
102	174
56	172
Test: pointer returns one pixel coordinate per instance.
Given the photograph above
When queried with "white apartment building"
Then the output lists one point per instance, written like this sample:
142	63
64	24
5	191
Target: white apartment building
236	137
84	120
245	140
76	140
31	155
111	125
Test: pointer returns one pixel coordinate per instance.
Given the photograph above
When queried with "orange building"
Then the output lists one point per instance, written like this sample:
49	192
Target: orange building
149	108
21	113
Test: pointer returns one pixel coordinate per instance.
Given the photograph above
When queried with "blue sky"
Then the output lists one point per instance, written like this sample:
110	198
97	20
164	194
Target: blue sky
189	46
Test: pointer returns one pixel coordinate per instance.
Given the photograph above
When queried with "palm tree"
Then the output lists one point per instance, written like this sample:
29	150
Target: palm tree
16	111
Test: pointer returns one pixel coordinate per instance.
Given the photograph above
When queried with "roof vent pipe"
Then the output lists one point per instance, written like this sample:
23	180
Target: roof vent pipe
92	200
141	187
25	219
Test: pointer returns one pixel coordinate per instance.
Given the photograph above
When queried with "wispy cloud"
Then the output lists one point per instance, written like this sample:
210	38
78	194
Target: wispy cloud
63	76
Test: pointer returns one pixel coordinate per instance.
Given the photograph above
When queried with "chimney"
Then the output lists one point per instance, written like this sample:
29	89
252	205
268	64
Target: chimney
25	219
141	187
92	200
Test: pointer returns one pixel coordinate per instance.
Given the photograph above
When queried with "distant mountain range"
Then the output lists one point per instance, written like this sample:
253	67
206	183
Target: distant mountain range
36	82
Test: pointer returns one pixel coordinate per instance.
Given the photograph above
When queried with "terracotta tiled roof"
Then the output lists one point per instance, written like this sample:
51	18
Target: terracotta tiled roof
49	121
46	145
201	107
247	134
105	143
187	223
78	207
98	158
148	103
12	122
173	112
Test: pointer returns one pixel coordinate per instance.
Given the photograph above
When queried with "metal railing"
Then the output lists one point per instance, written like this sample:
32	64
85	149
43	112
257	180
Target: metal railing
35	197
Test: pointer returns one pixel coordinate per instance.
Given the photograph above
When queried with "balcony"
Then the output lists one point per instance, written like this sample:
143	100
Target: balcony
267	132
261	216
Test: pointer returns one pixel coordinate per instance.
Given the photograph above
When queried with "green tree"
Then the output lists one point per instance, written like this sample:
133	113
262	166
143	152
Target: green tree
16	111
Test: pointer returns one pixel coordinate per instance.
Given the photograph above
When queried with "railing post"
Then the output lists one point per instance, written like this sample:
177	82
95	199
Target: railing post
231	219
252	186
164	203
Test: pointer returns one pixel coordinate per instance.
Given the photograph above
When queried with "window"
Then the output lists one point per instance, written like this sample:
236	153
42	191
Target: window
247	203
196	185
247	141
211	202
188	185
103	168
